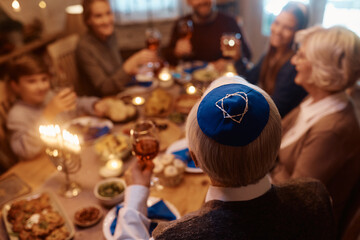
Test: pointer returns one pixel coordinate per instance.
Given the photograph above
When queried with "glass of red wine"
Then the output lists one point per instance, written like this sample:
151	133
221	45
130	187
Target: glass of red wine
185	28
145	144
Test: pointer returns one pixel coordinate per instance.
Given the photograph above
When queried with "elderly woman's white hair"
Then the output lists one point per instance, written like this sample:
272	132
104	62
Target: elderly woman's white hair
235	166
334	54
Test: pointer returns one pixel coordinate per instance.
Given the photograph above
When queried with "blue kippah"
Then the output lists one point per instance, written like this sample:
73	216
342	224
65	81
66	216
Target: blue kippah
233	114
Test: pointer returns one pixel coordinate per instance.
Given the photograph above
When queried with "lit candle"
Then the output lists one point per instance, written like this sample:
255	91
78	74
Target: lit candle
16	6
71	142
229	74
165	78
190	90
50	135
112	168
138	101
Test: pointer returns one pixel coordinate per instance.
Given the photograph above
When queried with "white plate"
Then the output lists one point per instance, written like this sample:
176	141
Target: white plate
179	145
110	216
54	203
138	90
91	122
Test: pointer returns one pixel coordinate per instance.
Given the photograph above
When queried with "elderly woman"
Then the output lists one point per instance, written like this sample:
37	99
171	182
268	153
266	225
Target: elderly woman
102	71
274	72
236	149
321	137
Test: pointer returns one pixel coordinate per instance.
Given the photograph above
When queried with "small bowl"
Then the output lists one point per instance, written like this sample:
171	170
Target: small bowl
110	184
88	216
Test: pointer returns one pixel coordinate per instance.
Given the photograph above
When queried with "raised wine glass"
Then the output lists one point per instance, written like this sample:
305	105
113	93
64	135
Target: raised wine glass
145	143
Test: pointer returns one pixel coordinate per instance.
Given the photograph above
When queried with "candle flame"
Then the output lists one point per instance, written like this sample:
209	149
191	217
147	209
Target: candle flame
138	100
42	4
16	6
191	89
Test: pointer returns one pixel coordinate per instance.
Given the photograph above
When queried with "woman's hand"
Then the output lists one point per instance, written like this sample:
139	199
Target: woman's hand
65	100
139	173
140	58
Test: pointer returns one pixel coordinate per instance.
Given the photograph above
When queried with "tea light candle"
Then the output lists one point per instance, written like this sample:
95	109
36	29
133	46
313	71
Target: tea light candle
138	101
112	168
165	78
190	89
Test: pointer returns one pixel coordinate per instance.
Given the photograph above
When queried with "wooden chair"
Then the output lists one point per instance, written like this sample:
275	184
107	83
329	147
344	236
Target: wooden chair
62	56
7	158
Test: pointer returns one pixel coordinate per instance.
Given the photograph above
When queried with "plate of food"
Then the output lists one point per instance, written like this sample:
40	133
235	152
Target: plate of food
88	128
113	144
119	111
37	216
181	151
207	74
185	102
110	216
158	104
169	132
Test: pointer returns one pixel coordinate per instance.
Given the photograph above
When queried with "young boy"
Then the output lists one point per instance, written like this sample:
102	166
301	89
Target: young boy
36	104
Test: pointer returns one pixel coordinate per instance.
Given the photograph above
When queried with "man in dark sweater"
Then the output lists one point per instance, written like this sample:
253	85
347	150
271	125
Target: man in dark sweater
204	42
234	136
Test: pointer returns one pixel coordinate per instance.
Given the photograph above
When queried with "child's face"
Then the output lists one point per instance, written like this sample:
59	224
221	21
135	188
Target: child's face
32	89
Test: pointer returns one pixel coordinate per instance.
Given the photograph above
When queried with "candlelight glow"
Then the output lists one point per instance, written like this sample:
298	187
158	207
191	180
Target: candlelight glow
42	4
164	76
74	9
114	164
229	74
71	141
138	100
231	43
190	89
16	6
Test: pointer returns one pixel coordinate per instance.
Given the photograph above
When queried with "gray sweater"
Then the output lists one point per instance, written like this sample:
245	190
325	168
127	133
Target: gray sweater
100	66
24	120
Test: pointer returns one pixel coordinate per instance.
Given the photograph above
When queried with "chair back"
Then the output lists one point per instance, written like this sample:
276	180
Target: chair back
7	158
62	56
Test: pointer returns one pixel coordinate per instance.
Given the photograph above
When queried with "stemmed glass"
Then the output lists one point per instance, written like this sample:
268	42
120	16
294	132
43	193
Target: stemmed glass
152	41
185	28
145	142
230	44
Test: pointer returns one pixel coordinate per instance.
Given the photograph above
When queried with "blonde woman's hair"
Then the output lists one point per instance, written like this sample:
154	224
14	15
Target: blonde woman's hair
236	166
335	57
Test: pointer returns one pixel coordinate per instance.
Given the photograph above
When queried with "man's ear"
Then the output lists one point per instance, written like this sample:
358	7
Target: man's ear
194	158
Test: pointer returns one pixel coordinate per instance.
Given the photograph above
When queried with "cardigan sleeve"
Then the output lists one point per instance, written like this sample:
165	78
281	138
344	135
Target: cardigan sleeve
320	157
100	80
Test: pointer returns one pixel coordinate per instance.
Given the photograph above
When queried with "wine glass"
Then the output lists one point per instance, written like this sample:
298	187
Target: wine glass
185	28
145	142
152	38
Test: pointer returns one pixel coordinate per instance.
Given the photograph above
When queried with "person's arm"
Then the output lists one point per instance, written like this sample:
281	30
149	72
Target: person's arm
132	221
169	50
94	71
320	157
24	136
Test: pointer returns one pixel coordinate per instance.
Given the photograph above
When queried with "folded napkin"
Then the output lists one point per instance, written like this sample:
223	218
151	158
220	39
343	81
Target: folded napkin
195	67
157	211
184	155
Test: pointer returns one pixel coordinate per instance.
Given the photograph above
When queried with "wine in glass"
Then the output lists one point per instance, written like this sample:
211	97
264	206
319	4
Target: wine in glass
230	44
145	142
152	38
185	28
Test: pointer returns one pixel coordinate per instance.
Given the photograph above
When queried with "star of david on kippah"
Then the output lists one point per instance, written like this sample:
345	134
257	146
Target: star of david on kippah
237	117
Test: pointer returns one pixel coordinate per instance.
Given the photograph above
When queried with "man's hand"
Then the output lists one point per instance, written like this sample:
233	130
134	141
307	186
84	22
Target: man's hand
183	48
140	58
139	173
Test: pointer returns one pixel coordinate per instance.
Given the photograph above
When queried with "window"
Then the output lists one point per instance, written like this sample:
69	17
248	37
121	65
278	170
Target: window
133	11
343	12
271	9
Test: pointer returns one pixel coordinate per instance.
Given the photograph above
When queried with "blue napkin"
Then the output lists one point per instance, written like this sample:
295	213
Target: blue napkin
157	211
184	155
195	67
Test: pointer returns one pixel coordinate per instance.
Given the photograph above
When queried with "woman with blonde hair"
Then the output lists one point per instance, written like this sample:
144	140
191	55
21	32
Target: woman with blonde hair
234	136
274	73
321	137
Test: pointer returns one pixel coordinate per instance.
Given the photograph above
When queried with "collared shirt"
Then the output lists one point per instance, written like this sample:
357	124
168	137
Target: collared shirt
310	113
133	224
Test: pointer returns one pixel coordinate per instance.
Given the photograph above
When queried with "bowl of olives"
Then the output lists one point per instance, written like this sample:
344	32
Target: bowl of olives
110	191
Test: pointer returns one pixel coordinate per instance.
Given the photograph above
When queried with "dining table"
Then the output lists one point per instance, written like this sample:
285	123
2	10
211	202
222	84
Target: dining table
41	175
